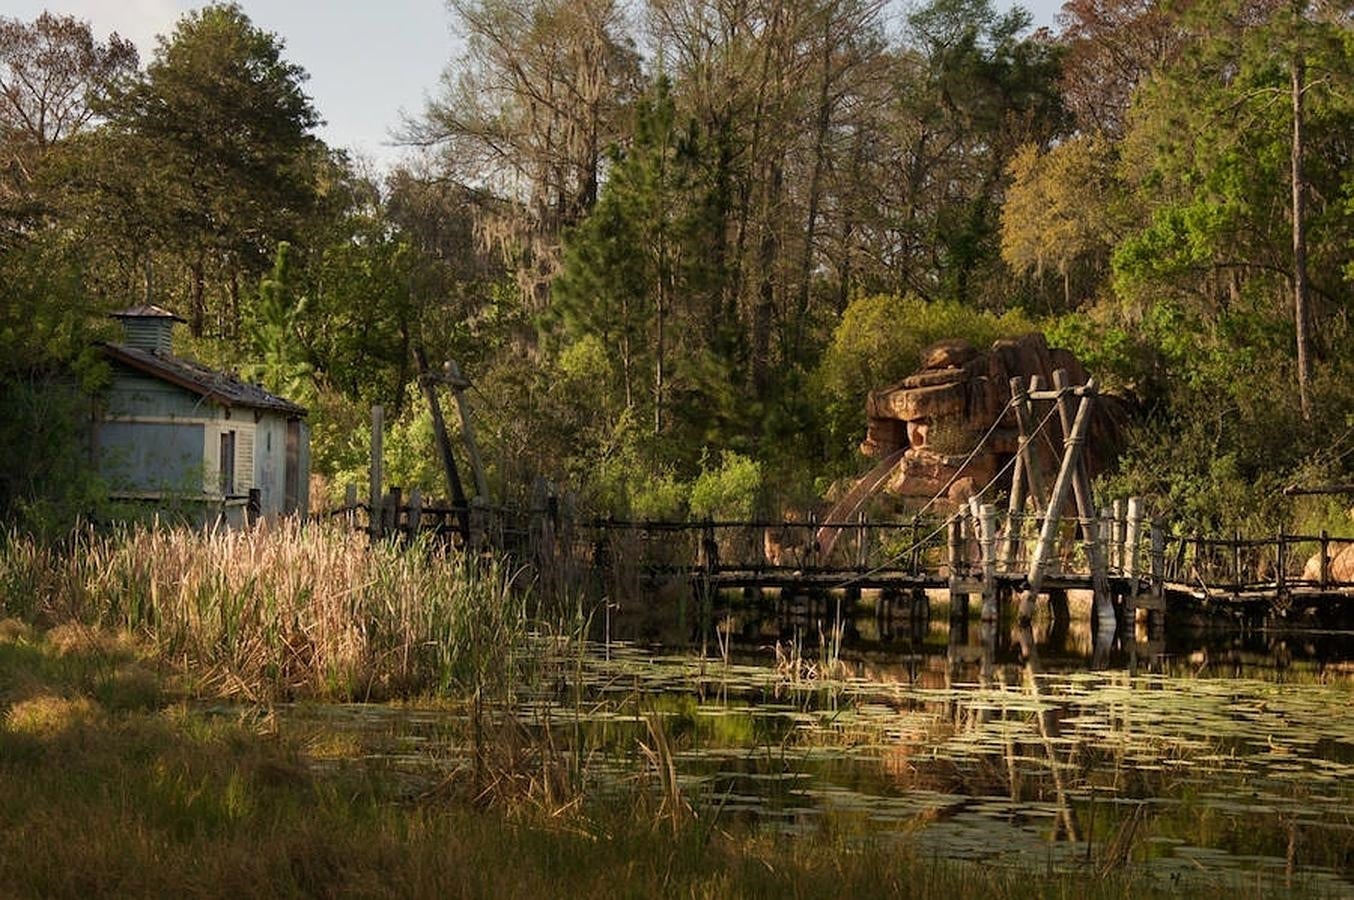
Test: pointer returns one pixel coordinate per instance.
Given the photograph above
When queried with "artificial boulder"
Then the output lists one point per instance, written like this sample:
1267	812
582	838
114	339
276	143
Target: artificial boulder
941	413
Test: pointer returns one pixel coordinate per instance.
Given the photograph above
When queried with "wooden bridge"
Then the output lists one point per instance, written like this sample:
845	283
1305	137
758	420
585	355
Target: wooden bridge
967	554
1008	559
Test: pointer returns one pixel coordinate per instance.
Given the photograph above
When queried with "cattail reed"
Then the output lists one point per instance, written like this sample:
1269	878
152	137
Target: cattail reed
280	611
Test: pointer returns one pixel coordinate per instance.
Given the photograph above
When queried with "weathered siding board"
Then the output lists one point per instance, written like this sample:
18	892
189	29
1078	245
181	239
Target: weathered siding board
133	394
140	457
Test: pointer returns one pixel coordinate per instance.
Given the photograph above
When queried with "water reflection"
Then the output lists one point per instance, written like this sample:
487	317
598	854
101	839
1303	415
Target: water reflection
1188	755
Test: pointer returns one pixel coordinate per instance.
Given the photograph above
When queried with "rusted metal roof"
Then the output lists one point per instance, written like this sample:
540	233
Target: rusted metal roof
209	383
145	311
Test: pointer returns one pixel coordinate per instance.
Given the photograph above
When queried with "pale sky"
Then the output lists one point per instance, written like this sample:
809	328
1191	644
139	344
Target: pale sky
368	61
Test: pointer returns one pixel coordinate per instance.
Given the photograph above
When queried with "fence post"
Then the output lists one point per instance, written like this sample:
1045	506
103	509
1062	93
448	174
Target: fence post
350	506
1236	559
862	547
1120	535
1132	541
390	520
374	509
954	548
415	512
1280	567
1325	558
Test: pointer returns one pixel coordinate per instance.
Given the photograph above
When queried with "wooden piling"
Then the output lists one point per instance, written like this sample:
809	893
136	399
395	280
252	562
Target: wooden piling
1132	537
955	549
987	526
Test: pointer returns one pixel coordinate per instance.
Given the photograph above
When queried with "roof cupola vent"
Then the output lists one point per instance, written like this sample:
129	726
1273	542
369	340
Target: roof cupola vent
148	328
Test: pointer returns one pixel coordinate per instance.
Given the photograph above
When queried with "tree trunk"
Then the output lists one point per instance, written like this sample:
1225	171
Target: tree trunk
1301	301
815	188
197	313
766	293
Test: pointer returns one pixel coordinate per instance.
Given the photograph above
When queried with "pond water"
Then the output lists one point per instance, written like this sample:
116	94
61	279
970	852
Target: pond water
1191	755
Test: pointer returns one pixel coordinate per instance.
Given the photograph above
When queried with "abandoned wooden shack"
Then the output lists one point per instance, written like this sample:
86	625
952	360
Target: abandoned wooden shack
201	445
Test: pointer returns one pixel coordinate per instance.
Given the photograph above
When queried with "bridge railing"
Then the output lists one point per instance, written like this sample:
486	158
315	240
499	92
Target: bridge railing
770	546
1239	564
561	546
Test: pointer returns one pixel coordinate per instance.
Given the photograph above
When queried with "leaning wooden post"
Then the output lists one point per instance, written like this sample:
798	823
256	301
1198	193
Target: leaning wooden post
1132	540
1061	488
987	522
458	499
1027	449
472	448
1086	512
374	507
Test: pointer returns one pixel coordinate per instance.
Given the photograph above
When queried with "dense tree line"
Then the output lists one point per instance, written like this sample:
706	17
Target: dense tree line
673	242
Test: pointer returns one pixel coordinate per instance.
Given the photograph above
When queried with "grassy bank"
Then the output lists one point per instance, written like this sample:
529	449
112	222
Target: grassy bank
114	786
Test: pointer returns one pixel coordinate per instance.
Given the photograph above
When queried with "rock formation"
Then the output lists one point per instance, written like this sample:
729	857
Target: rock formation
940	413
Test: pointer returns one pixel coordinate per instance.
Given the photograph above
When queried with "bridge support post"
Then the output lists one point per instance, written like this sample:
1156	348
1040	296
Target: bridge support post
1061	488
955	548
1156	613
1132	553
987	530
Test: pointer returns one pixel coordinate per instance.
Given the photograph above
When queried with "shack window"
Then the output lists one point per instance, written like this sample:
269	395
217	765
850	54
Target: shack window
227	463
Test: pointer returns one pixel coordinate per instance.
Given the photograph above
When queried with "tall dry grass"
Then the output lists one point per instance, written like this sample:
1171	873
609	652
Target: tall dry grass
280	611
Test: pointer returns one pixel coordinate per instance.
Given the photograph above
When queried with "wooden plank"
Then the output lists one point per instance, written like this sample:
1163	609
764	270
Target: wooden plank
415	512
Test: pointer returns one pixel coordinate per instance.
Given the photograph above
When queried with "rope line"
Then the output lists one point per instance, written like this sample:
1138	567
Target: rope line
861	576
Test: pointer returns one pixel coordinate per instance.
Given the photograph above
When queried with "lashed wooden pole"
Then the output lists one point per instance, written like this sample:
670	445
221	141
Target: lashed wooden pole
1061	488
444	444
1102	603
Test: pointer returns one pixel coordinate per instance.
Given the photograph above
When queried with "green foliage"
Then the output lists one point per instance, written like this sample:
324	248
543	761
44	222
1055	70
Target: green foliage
48	482
639	277
277	317
733	490
879	341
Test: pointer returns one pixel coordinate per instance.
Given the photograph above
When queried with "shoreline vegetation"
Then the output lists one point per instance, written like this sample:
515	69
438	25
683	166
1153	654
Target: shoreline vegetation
126	775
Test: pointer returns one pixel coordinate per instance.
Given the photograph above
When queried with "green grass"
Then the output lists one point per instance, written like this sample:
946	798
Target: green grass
114	785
